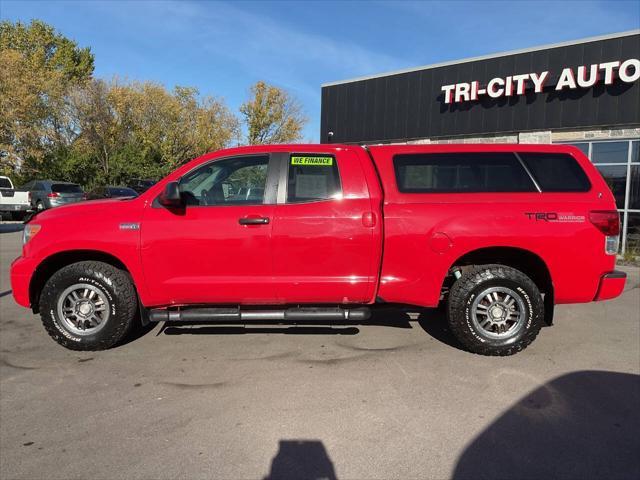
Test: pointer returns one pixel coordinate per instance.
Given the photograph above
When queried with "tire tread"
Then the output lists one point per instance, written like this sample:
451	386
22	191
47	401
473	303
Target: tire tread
461	290
127	304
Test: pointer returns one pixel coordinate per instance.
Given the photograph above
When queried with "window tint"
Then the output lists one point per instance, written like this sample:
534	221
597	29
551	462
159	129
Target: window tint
556	172
5	183
634	191
633	232
461	172
616	178
66	188
584	147
609	152
235	181
312	177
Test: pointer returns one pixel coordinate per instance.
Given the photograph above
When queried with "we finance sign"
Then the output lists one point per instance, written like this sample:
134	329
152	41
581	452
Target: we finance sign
627	71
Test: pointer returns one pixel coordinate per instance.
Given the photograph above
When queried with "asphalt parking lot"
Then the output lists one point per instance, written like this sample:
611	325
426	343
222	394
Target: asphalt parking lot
394	399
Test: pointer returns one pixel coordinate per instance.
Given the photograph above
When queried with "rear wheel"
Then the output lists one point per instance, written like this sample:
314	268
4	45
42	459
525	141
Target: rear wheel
495	310
39	206
88	305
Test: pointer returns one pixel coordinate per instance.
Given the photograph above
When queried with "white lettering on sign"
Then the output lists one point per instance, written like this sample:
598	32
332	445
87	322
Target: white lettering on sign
568	79
538	81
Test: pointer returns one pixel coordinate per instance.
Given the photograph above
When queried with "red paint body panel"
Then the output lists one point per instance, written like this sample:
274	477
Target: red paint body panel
205	256
372	241
324	252
413	273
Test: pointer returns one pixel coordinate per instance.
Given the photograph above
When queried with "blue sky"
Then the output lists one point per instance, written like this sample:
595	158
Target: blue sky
223	47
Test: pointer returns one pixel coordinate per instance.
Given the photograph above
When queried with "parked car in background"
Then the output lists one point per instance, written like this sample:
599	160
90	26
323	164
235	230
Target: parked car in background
51	193
141	185
111	192
13	204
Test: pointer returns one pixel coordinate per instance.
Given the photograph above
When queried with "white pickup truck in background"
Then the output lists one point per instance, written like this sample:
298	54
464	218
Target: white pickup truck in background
13	204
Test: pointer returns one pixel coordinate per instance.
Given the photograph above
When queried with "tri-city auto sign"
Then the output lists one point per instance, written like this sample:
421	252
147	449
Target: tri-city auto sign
627	71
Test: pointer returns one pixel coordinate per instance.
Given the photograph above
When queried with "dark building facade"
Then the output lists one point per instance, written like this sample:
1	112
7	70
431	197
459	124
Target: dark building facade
586	93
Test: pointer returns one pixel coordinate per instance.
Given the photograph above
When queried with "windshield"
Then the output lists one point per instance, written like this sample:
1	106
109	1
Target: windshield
66	188
5	183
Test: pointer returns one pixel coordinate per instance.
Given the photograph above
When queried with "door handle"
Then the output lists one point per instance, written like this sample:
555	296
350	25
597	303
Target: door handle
253	220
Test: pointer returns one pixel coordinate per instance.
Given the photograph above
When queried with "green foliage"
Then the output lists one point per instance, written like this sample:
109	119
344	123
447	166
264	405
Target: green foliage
39	66
56	121
42	46
632	255
271	115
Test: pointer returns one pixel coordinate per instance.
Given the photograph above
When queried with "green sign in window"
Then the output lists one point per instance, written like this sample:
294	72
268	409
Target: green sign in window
312	161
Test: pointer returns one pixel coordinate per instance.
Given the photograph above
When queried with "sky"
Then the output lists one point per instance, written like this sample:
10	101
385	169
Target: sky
222	48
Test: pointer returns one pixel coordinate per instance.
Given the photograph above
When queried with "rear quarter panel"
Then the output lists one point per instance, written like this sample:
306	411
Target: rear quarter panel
426	233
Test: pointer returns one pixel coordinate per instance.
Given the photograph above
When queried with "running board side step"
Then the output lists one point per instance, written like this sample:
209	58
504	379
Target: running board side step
202	314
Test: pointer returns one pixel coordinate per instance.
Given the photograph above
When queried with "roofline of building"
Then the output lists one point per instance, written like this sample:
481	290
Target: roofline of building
487	57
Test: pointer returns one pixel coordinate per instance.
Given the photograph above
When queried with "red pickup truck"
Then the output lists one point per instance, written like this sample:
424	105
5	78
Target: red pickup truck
501	233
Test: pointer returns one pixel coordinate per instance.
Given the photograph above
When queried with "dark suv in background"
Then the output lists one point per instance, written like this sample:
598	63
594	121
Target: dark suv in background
51	193
111	192
141	185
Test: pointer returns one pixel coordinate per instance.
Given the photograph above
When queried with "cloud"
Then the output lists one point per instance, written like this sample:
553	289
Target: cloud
273	50
219	38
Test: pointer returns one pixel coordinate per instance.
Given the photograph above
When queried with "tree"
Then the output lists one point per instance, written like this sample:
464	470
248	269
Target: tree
271	115
39	66
136	129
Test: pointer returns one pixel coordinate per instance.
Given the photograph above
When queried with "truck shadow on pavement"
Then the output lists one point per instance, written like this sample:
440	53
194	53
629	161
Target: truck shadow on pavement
301	460
199	329
583	425
434	322
431	321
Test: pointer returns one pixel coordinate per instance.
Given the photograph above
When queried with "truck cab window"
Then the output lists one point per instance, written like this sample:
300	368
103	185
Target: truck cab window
235	181
312	178
461	173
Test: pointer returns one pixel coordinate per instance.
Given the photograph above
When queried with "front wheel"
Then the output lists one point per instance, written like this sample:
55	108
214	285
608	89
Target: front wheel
495	310
88	305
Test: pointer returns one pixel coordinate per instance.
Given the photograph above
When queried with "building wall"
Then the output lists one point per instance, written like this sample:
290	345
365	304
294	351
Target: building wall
543	136
404	105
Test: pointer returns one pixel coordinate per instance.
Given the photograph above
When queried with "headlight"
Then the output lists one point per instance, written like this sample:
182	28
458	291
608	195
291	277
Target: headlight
30	230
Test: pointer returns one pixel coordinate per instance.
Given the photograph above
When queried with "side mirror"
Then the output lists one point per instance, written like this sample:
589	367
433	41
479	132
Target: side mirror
170	197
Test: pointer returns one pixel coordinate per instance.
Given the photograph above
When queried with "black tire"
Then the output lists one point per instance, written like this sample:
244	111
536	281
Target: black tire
116	287
18	216
472	287
40	206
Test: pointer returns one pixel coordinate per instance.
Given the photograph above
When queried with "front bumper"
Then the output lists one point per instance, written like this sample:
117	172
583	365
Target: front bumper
611	285
21	272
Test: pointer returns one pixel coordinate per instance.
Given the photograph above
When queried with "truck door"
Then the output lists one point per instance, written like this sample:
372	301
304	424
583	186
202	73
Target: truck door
217	249
325	235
